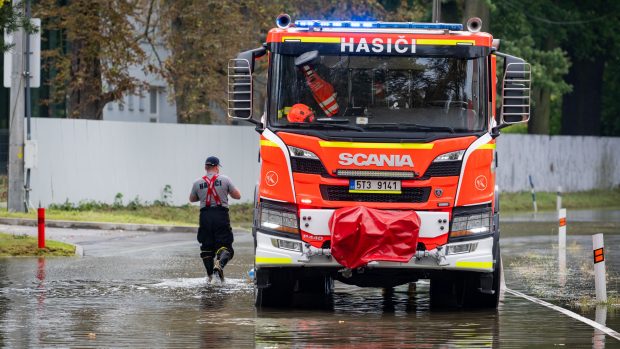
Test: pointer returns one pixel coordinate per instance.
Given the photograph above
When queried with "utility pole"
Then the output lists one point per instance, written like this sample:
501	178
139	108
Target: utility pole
436	11
16	194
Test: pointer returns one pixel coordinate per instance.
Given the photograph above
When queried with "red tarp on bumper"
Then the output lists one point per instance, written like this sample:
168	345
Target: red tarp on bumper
361	235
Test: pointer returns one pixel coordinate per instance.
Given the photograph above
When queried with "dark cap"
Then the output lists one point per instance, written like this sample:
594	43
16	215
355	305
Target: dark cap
212	161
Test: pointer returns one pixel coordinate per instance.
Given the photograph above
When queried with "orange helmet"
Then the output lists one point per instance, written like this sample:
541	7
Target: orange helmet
300	113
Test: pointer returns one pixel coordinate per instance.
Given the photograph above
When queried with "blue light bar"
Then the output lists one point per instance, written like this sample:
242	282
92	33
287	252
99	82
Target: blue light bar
309	23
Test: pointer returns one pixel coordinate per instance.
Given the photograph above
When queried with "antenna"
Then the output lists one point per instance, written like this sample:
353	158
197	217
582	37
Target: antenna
436	11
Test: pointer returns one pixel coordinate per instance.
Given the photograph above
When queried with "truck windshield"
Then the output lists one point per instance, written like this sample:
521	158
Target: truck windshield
431	94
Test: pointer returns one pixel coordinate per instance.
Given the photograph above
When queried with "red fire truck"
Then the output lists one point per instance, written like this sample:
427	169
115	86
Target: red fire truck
378	157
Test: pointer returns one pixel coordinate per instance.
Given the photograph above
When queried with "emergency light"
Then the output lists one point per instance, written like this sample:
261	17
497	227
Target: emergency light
309	23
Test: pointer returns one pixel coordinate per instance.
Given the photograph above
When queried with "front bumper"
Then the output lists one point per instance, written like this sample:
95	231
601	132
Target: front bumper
479	259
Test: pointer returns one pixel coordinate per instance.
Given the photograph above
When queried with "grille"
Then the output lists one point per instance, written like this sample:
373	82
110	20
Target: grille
443	169
312	166
341	193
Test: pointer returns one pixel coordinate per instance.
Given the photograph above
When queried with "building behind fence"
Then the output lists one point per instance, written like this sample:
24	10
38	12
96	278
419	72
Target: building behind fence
96	160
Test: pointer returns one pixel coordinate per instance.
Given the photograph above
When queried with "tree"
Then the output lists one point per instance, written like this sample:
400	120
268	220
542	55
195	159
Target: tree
12	18
203	35
593	46
102	40
523	33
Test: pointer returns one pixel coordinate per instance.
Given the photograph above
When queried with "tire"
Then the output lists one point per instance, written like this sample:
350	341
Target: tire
447	293
278	292
286	288
463	291
476	299
314	291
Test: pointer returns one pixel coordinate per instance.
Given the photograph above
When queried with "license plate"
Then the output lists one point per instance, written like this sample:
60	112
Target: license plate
379	186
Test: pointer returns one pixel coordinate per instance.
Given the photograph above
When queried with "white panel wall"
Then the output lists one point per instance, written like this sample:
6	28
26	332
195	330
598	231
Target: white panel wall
574	162
94	160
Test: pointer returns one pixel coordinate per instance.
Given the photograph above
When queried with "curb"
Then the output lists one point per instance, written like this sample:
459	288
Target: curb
79	250
100	225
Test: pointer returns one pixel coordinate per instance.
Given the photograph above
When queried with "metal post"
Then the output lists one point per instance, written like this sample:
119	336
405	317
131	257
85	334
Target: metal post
16	197
558	201
436	11
28	108
533	194
600	284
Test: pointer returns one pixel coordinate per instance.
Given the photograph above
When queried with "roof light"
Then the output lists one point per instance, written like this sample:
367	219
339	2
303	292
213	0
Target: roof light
376	24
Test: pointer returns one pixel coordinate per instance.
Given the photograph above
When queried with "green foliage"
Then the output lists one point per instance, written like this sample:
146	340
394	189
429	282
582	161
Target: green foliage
118	200
611	98
517	128
166	197
537	44
11	19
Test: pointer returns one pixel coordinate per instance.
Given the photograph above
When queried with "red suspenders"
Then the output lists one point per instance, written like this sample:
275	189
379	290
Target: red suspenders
211	192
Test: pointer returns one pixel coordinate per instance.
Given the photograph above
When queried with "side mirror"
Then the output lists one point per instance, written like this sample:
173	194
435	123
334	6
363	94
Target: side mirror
240	89
516	90
240	92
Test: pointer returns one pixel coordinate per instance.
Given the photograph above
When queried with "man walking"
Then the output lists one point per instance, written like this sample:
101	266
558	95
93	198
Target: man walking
214	233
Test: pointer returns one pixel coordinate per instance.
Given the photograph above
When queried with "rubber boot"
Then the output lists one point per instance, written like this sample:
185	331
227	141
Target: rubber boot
207	260
224	257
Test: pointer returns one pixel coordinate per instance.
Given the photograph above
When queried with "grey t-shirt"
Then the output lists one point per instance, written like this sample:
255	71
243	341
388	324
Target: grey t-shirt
223	185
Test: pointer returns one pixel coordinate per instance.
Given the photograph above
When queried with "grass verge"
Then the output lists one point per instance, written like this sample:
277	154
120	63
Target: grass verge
546	201
24	245
241	214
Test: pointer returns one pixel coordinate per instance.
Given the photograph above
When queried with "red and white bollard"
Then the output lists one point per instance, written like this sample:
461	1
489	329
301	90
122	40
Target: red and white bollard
41	226
600	284
562	247
562	229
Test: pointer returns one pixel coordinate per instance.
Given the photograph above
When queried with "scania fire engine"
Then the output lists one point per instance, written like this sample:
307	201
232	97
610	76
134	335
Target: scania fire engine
378	157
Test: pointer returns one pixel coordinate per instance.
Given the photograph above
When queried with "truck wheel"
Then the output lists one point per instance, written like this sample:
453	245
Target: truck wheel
447	293
278	292
463	291
476	299
314	291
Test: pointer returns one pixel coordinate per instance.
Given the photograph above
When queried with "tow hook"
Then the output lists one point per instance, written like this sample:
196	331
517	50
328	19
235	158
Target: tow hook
438	255
311	251
346	273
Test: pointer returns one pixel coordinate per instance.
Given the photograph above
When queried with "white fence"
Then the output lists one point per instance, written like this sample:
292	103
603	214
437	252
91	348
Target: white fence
94	160
574	162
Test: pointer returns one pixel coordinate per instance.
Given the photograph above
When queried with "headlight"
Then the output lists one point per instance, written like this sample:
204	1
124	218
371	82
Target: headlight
279	220
471	224
302	153
451	156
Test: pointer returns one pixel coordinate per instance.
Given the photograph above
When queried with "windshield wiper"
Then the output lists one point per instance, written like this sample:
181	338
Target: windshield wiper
411	127
321	124
337	123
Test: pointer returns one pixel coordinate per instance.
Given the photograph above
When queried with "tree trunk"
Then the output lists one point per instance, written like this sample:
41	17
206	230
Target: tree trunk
86	97
86	100
539	121
181	45
581	109
480	9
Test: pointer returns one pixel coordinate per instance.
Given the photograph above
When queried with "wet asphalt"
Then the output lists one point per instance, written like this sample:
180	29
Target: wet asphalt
142	289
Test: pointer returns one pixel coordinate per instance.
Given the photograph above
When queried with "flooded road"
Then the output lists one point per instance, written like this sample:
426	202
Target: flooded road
135	289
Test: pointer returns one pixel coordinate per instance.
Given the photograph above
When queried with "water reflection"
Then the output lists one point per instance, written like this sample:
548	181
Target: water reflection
598	338
386	318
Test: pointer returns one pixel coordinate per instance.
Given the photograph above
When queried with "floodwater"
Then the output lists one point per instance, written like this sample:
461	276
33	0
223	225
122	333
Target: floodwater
148	290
